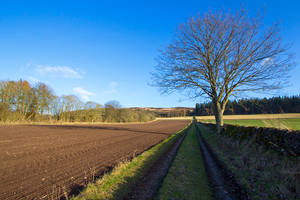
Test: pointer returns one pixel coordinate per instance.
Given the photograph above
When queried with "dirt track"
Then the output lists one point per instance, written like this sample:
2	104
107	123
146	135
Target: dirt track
41	162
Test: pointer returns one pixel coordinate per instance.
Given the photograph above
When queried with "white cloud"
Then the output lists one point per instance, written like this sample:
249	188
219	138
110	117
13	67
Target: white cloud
60	71
112	88
33	80
82	93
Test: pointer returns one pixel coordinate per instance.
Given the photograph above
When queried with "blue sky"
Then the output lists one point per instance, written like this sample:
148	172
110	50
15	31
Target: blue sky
105	50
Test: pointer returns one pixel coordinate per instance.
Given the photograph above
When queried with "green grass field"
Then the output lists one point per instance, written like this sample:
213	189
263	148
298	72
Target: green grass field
292	124
282	121
186	178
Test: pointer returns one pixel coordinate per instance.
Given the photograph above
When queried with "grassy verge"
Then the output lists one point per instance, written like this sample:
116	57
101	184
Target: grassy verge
293	124
186	178
118	183
264	173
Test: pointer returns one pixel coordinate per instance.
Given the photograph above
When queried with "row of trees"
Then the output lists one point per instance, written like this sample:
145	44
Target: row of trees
20	101
110	114
254	106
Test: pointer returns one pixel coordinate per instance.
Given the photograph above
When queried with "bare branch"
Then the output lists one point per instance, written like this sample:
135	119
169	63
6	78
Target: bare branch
220	54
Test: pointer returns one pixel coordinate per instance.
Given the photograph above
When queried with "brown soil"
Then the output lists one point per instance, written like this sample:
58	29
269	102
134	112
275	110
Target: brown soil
45	161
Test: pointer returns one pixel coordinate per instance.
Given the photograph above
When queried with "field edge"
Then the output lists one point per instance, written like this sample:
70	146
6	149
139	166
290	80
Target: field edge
119	182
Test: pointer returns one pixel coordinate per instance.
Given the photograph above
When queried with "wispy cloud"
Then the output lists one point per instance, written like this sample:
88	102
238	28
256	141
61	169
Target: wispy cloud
112	88
33	80
82	93
59	71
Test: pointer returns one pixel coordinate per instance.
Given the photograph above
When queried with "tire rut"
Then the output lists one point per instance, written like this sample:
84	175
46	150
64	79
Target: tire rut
223	183
149	185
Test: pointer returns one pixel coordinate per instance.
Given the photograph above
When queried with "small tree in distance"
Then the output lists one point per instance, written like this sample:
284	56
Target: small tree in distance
220	54
112	104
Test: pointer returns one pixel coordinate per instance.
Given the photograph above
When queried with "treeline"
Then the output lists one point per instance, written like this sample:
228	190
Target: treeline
255	106
20	101
109	114
174	113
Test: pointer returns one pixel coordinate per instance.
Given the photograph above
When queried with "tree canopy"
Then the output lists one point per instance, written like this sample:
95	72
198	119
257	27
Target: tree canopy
221	54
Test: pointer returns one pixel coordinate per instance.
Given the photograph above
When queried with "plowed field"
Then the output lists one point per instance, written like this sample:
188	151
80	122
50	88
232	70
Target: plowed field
45	161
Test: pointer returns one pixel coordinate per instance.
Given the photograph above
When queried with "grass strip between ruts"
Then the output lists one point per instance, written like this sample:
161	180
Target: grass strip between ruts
118	183
187	177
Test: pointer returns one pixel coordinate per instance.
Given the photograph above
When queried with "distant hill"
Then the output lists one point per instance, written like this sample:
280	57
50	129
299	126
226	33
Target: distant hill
168	112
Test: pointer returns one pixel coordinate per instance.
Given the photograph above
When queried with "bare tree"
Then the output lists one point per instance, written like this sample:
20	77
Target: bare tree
44	96
92	105
220	54
112	104
70	103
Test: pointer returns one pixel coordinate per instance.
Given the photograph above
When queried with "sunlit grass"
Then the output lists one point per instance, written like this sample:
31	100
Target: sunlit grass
293	124
254	116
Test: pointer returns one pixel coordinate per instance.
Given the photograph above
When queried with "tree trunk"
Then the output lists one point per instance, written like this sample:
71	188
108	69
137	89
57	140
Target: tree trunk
218	111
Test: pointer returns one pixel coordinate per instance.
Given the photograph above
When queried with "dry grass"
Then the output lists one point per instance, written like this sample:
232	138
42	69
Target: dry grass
252	116
8	123
175	118
228	117
282	123
265	174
